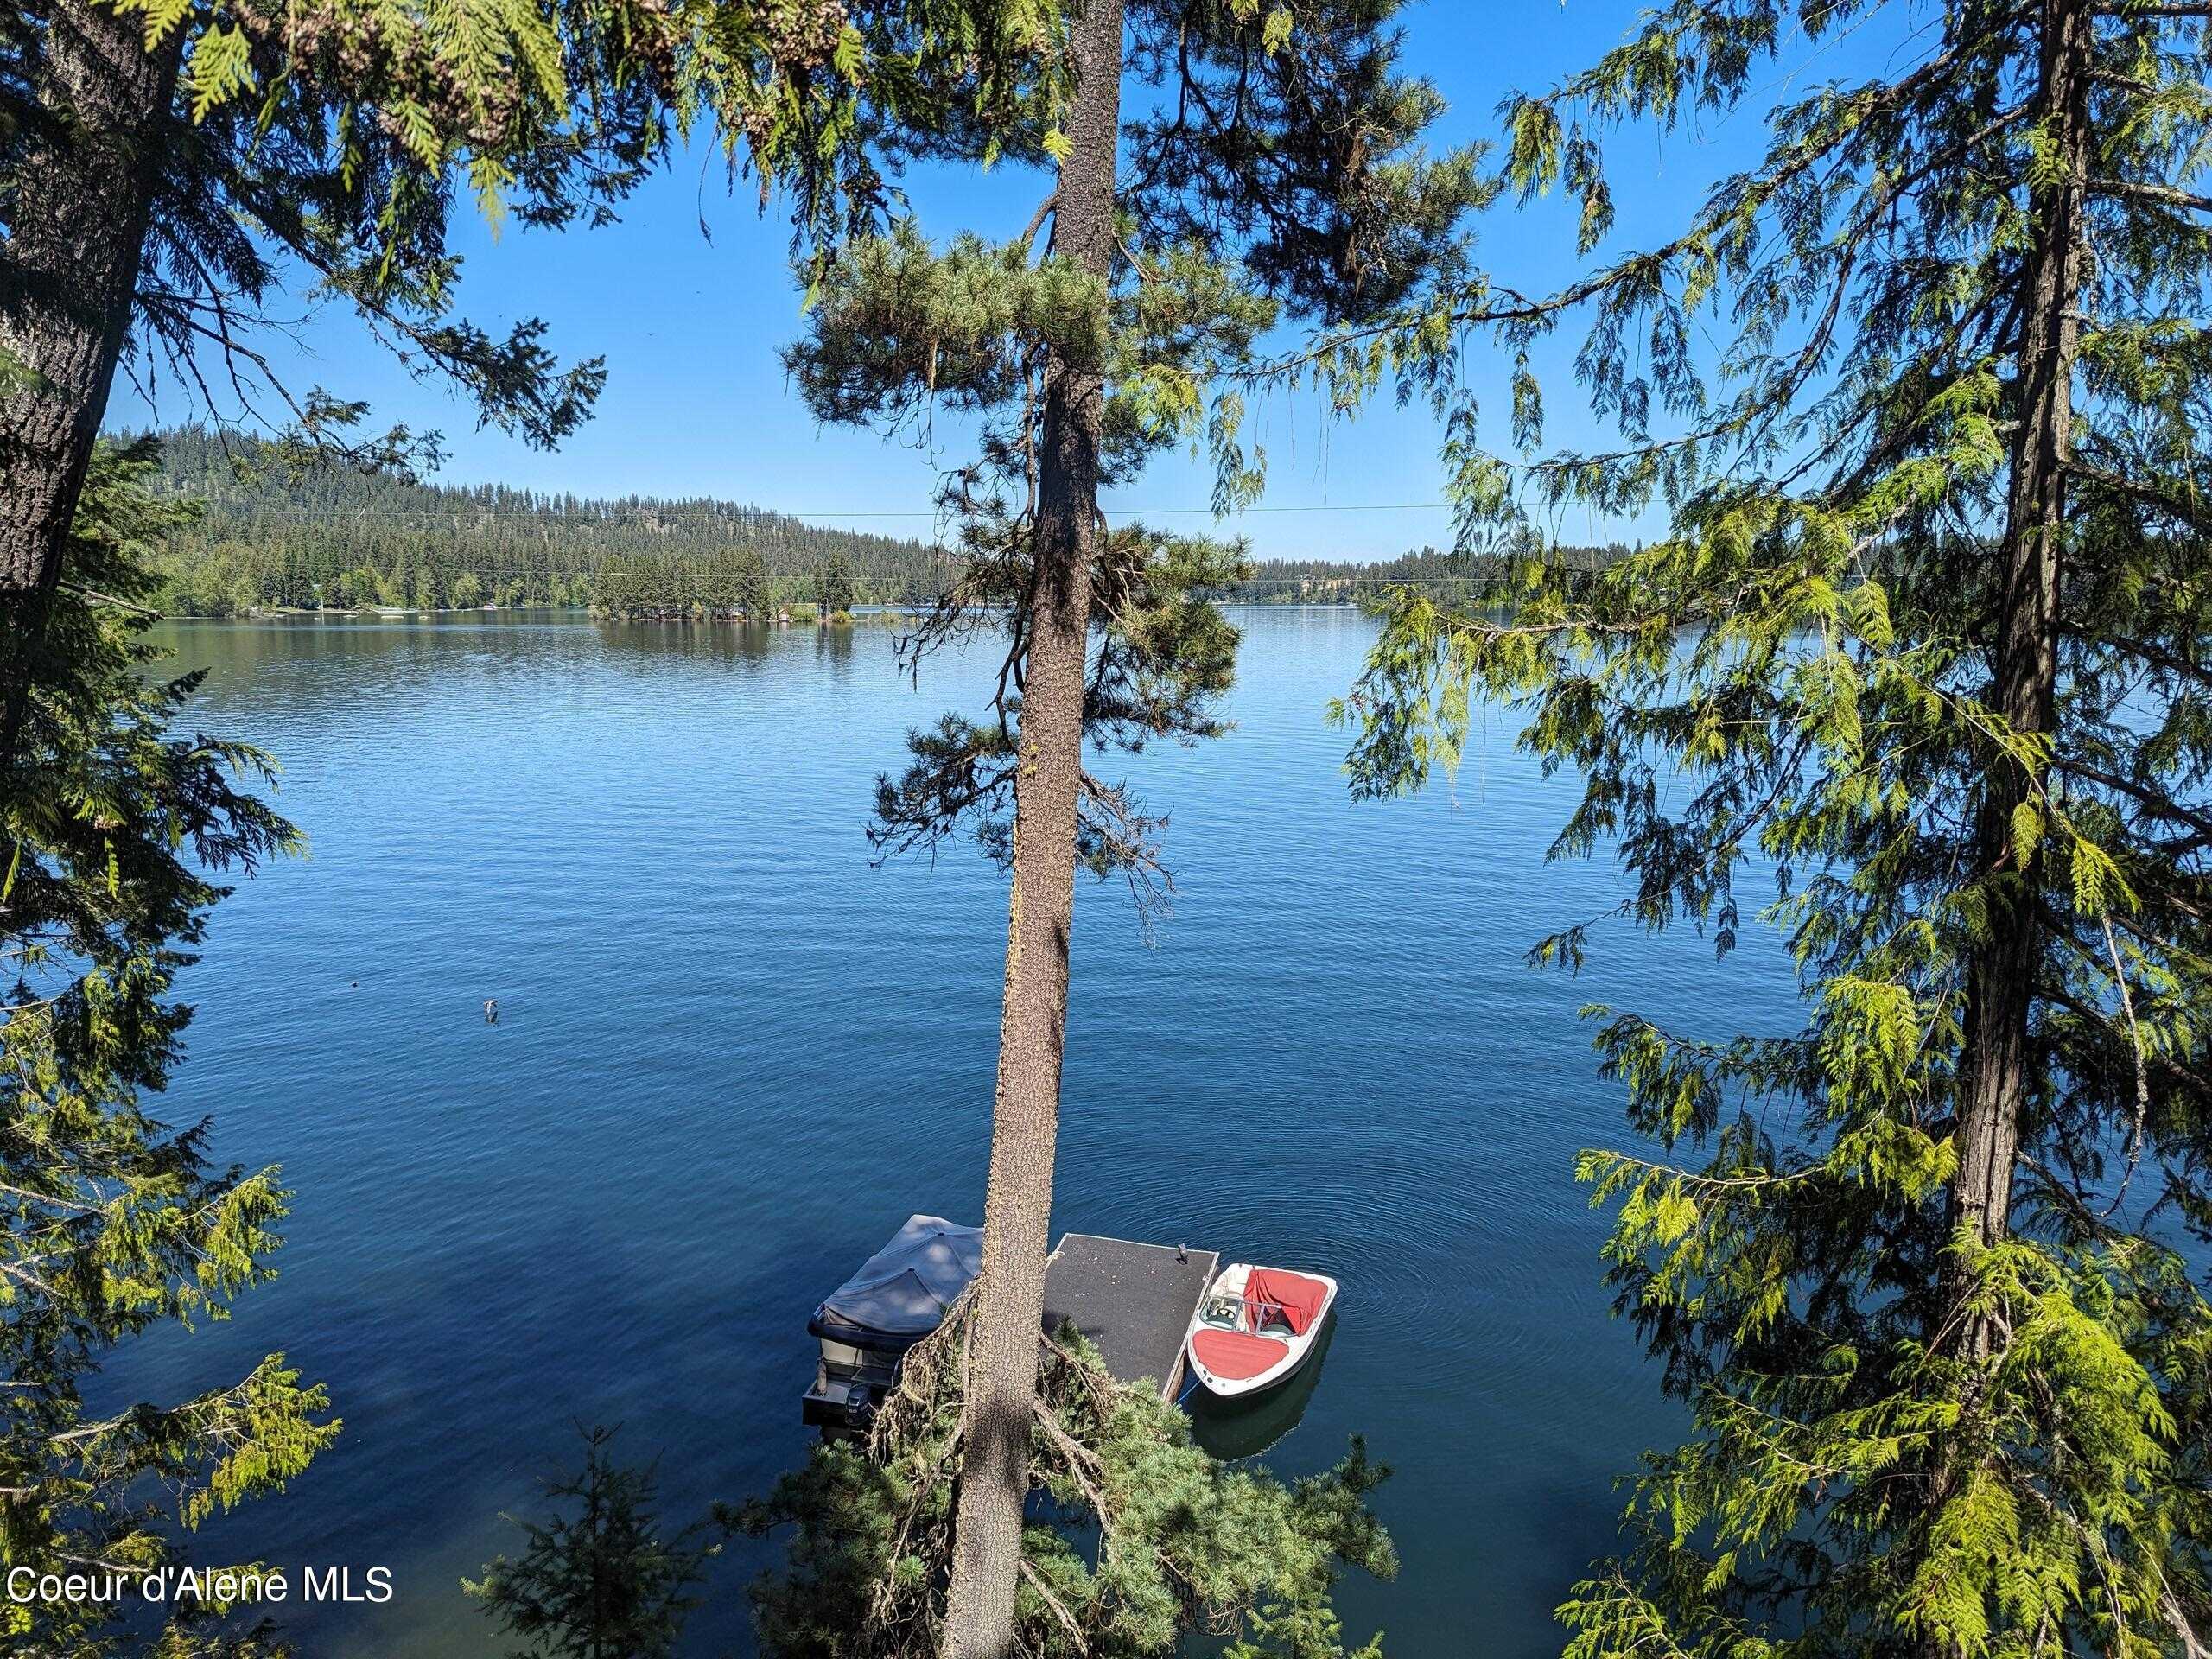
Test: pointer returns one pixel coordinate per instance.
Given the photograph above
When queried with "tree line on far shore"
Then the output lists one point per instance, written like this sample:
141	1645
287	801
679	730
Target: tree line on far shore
338	539
1913	685
730	586
269	537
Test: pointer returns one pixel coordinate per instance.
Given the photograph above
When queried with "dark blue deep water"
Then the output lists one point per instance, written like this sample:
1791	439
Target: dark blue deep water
731	1056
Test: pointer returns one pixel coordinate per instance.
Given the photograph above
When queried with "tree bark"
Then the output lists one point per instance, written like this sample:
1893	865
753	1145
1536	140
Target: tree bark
68	271
2000	969
1001	1384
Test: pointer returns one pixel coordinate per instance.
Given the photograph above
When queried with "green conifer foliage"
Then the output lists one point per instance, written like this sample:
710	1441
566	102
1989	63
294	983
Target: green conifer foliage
168	167
1141	1540
116	1223
330	537
602	1578
1165	656
834	594
1268	169
1923	655
752	591
1277	176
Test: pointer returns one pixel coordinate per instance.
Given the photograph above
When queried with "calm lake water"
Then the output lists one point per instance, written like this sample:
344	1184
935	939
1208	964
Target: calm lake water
732	1057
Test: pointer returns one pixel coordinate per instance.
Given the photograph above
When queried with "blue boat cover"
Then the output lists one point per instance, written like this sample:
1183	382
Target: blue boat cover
903	1289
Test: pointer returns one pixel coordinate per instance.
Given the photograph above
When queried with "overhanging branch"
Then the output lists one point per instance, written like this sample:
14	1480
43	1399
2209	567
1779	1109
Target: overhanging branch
2164	195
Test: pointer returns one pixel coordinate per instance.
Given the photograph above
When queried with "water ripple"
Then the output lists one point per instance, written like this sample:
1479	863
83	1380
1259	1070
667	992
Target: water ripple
731	1056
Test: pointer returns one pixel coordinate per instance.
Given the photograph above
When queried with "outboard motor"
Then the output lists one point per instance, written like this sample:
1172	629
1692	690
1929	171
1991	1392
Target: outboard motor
900	1294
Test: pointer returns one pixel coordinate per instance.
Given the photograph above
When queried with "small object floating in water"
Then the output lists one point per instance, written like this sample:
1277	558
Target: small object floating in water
1255	1327
490	1010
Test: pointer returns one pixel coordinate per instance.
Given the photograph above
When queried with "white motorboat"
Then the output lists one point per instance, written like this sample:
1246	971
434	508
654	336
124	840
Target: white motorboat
1256	1326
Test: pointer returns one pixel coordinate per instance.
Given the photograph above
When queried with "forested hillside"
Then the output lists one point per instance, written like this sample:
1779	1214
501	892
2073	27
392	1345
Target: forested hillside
348	540
344	540
1344	581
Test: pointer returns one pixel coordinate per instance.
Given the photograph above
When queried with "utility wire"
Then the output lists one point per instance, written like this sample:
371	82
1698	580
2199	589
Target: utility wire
613	513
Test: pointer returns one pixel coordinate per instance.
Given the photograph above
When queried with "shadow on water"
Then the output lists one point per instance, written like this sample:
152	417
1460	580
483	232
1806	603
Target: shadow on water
1233	1429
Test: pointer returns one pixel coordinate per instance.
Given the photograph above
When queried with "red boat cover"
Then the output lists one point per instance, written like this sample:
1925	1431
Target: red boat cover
1299	1298
1233	1356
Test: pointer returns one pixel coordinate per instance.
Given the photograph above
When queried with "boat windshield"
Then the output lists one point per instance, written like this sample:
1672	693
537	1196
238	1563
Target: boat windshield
1223	1312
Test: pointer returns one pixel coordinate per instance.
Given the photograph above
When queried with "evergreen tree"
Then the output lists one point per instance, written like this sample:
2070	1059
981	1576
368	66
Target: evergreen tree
321	523
752	595
835	592
165	164
1143	1540
341	525
116	1223
1273	174
1926	645
604	1581
1443	574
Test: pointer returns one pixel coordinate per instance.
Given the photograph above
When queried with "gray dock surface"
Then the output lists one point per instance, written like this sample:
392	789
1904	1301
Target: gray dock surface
1133	1301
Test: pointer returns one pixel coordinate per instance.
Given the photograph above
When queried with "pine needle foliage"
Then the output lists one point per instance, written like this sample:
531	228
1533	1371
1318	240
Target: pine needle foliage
325	148
1136	1540
1166	654
117	1224
601	1578
836	594
1267	167
1924	655
1276	176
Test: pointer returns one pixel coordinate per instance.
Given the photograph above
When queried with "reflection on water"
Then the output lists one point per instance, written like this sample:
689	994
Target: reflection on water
733	1055
1231	1429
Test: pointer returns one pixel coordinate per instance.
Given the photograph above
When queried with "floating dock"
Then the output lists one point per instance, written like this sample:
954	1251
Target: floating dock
1133	1301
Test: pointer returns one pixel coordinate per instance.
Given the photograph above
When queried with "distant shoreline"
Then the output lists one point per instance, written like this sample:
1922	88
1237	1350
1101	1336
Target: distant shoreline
861	614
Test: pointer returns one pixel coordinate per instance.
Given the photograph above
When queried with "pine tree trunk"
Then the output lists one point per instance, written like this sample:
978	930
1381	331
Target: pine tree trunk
68	272
2001	968
1024	1123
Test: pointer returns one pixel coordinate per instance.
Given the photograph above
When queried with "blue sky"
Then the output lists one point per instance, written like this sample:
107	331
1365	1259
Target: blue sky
696	401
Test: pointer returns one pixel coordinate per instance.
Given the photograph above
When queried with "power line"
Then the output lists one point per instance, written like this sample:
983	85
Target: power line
246	509
1171	512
